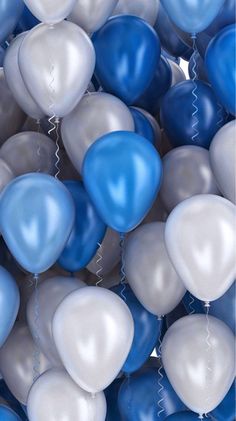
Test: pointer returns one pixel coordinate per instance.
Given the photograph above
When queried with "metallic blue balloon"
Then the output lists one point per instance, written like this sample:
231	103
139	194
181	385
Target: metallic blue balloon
6	414
127	50
11	401
9	303
87	233
187	54
2	55
202	42
147	330
225	17
26	22
142	125
224	308
225	411
221	67
181	111
10	13
111	394
36	218
197	62
170	57
122	173
183	416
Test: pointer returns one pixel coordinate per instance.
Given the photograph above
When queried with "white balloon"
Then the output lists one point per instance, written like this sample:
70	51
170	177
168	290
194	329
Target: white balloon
50	11
177	73
145	9
108	252
6	174
200	239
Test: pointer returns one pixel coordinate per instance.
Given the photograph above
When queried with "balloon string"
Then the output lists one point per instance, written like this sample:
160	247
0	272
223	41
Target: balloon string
160	377
36	366
194	94
99	265
38	146
57	150
192	301
122	267
209	346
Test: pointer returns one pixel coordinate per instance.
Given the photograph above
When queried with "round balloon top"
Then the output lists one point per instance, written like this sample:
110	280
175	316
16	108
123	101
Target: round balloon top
52	11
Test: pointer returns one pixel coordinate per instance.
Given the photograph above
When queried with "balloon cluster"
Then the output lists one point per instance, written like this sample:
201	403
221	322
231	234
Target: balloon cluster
117	210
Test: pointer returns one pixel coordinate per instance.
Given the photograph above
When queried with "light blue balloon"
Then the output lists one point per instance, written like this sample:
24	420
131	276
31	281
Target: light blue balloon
10	13
37	214
9	303
6	414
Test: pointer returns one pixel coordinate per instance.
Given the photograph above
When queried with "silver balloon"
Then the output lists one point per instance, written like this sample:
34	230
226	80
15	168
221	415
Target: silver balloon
18	363
57	63
109	253
29	152
55	397
198	357
6	174
186	172
156	213
144	9
223	160
12	117
86	124
50	294
92	14
15	81
150	272
93	330
201	242
177	73
50	11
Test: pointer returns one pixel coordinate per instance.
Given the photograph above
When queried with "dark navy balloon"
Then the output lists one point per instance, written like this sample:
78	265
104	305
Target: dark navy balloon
190	121
26	22
142	125
6	414
127	51
11	401
187	54
2	55
87	233
10	13
225	411
196	67
202	42
111	394
225	17
122	173
9	303
221	67
224	308
170	57
183	416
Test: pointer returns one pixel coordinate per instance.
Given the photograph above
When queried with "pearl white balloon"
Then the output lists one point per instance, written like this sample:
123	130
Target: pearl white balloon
223	160
93	331
6	174
149	270
177	73
57	63
109	253
50	11
145	9
199	361
55	397
201	242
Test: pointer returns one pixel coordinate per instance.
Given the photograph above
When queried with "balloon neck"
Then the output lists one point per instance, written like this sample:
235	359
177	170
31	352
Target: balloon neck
51	25
194	36
93	395
36	277
207	304
201	417
57	120
160	318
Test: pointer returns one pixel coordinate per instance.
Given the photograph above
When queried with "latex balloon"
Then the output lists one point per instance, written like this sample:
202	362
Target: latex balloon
142	125
6	174
111	394
36	218
2	55
202	42
224	307
177	73
221	71
17	362
50	294
225	17
192	16
140	8
155	126
109	252
9	303
183	416
27	21
10	12
63	400
199	232
56	55
29	152
126	66
89	325
91	14
15	81
196	67
150	272
84	125
11	116
196	345
188	125
186	172
118	169
52	11
6	414
223	160
225	411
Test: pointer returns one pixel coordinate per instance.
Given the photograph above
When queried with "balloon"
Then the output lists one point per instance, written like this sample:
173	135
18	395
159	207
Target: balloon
196	67
57	54
11	116
111	394
6	414
202	42
177	73
10	12
52	11
15	81
212	352
50	294
151	98
27	21
2	55
110	253
6	174
127	53
225	411
186	172
93	331
192	16
36	218
223	160
9	303
224	308
147	330
81	128
141	8
142	125
183	416
155	126
185	125
118	169
225	17
91	14
221	68
199	233
149	270
29	152
17	362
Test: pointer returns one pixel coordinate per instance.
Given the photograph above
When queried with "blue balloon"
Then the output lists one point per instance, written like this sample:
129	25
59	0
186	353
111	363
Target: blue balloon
87	233
150	100
224	308
122	173
2	55
221	67
202	42
138	397
225	411
170	57
6	414
142	125
36	218
111	394
183	416
127	50
147	330
10	12
11	401
197	62
225	17
187	54
26	22
9	303
190	121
